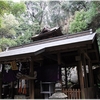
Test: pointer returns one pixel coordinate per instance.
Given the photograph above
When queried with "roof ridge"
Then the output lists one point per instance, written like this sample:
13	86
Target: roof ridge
78	34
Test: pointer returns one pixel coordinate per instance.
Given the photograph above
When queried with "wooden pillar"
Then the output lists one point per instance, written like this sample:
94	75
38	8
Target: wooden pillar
81	76
91	78
85	75
91	81
31	82
59	58
65	77
59	67
12	90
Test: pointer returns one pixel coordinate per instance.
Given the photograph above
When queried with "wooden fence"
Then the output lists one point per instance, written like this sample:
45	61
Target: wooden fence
72	93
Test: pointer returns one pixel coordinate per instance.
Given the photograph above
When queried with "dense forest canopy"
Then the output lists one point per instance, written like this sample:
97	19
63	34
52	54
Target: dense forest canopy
19	21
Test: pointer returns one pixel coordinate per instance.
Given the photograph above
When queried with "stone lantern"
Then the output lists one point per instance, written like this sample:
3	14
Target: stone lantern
58	92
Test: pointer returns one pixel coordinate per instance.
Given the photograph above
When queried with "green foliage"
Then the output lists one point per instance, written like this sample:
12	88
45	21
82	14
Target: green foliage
83	18
25	34
17	8
9	23
35	28
7	31
5	42
98	31
9	20
23	39
26	29
91	12
4	7
0	21
79	22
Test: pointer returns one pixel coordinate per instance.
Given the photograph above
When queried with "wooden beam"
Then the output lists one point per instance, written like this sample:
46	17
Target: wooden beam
31	82
39	52
91	51
65	48
95	61
85	54
38	58
17	57
87	57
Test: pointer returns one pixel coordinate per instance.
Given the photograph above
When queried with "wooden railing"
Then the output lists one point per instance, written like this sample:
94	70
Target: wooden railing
72	93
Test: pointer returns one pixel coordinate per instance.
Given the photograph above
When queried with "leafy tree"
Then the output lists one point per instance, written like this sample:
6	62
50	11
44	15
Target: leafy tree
4	7
7	32
17	8
23	39
6	43
93	15
84	20
26	33
30	22
79	22
8	24
26	29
